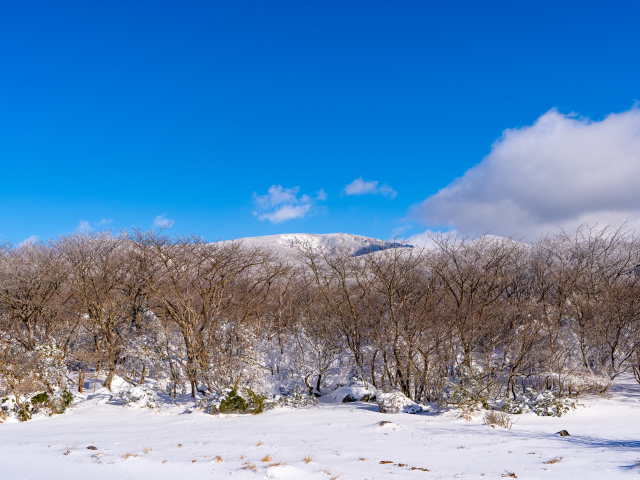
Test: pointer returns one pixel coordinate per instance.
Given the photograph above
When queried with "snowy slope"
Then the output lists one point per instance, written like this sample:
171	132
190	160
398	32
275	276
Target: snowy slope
354	244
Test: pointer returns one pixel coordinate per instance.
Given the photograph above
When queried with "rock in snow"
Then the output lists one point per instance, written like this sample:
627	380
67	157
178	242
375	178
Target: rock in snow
396	402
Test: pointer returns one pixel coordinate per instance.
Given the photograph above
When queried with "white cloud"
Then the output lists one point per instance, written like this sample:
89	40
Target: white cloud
84	226
424	239
161	221
31	239
277	195
281	204
286	212
560	171
370	187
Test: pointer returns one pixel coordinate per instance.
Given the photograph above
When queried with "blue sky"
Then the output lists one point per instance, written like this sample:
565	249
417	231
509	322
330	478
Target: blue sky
121	114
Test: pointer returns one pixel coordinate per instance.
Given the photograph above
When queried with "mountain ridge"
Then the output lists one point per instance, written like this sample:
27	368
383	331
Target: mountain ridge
355	244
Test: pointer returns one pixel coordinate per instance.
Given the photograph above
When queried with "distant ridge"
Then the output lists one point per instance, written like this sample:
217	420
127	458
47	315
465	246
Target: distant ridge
356	245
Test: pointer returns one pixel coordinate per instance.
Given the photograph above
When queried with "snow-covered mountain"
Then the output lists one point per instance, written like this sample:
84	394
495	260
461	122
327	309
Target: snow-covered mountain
355	244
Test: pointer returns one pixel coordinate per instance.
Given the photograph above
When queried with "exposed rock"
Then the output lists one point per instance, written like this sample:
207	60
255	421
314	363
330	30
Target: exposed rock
368	397
563	433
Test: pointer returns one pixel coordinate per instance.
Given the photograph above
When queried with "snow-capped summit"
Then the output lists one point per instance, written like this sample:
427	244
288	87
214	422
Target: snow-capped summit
355	244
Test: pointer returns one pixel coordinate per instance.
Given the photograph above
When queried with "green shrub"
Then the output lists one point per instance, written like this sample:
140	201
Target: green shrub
231	400
544	404
42	397
233	403
23	414
67	397
469	389
55	404
256	402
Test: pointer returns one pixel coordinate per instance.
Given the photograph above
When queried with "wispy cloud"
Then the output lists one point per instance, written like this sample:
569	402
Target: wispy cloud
161	221
31	239
561	171
369	187
286	212
84	226
280	204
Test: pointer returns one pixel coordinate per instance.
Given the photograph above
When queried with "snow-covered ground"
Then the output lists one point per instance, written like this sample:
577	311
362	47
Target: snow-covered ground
338	441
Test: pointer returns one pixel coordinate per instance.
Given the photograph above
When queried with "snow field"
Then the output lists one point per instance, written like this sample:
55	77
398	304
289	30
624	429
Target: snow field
327	441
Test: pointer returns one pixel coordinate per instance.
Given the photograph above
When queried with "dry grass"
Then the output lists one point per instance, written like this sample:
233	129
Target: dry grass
164	461
259	443
276	464
334	476
362	459
146	450
179	445
509	474
242	457
554	460
384	462
266	459
130	455
499	419
308	458
250	466
194	461
217	459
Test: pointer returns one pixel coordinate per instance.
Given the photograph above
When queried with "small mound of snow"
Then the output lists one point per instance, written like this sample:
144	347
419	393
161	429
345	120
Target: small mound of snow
351	393
294	399
396	402
138	397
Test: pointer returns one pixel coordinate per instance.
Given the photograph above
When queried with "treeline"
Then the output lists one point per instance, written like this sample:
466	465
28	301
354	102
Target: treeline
493	315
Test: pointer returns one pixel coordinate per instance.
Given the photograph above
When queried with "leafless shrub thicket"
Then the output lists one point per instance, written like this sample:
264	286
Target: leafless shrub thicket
492	315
